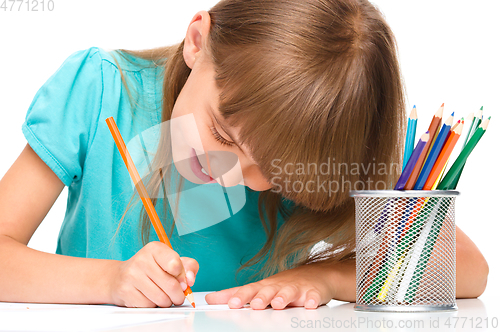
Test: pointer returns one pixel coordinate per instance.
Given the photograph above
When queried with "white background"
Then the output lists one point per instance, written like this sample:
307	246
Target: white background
448	53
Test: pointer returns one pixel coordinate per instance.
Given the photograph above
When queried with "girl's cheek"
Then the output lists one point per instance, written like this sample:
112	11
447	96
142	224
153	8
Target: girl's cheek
254	179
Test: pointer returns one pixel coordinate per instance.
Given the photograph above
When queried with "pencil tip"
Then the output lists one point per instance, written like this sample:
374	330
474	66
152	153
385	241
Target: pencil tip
439	112
481	108
414	106
453	114
442	105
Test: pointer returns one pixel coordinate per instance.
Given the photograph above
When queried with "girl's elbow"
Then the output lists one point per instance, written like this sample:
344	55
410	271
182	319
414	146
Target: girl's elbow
483	272
475	285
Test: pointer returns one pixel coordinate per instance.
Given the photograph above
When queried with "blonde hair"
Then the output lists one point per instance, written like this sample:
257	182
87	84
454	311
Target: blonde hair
308	82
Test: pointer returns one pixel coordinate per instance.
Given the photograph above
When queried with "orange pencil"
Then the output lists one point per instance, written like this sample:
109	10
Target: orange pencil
443	157
141	189
433	130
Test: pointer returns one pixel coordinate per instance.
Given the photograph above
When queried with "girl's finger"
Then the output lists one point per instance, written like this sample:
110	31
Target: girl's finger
167	284
136	299
154	294
170	262
285	296
221	297
191	266
243	296
264	297
312	299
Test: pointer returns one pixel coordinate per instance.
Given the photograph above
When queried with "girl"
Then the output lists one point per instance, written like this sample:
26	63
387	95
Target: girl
284	85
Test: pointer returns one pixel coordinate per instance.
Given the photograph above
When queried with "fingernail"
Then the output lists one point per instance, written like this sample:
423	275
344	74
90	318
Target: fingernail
234	302
257	301
190	277
310	304
278	299
183	286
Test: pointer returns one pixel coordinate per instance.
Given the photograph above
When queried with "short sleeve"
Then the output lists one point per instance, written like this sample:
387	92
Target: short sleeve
63	115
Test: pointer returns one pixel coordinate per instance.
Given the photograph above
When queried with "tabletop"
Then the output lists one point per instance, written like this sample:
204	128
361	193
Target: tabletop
472	315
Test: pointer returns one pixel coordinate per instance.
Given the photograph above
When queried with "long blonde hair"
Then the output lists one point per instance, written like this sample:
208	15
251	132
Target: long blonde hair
309	82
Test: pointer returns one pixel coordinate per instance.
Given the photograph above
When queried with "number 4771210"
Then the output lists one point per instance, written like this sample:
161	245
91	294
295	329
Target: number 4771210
27	5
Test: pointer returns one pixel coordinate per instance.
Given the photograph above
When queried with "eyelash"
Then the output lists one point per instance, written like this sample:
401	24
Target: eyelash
219	137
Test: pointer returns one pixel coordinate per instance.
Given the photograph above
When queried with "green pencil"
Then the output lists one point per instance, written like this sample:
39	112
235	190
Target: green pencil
471	118
451	177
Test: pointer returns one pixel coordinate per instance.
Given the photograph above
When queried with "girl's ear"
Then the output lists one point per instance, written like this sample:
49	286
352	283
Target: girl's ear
196	37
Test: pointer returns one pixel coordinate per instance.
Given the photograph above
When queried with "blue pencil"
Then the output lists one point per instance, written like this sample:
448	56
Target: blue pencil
410	135
436	149
411	163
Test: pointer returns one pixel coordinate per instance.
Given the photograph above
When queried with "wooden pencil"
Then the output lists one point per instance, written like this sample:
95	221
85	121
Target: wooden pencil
450	180
410	135
143	193
436	149
440	177
477	122
443	157
471	118
412	161
435	124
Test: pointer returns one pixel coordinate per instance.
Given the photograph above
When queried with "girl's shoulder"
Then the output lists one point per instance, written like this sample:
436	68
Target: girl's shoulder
124	60
116	58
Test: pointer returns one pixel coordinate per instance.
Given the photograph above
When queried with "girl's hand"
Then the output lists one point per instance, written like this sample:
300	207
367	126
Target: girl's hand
306	286
154	276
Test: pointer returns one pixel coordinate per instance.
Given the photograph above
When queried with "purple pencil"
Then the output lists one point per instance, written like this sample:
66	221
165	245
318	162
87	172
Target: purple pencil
411	163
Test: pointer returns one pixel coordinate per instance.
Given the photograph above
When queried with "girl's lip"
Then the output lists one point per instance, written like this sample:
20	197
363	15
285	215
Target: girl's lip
196	168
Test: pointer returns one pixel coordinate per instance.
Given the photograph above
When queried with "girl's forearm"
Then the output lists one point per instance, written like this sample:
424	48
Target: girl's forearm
342	278
472	268
29	275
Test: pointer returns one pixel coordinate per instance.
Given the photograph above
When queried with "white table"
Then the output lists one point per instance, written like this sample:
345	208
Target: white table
335	316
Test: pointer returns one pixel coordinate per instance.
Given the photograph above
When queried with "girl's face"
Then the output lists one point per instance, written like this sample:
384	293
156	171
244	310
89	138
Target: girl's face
202	142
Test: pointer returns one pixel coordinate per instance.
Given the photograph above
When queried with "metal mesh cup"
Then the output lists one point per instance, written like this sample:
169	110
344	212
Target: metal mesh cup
405	250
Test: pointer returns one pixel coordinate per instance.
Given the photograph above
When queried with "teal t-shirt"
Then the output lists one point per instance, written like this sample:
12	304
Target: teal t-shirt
65	125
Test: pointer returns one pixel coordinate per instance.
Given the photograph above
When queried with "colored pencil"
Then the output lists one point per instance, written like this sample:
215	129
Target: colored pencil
477	121
392	275
381	260
443	157
450	178
471	118
412	161
436	149
435	124
410	135
423	249
480	121
422	226
440	177
141	189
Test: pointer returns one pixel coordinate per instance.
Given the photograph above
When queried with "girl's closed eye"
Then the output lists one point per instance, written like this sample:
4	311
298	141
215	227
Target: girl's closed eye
219	137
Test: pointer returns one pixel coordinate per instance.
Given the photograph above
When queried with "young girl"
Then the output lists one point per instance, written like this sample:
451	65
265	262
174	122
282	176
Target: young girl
291	87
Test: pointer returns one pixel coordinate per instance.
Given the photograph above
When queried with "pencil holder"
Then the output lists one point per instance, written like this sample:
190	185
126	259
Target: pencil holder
405	250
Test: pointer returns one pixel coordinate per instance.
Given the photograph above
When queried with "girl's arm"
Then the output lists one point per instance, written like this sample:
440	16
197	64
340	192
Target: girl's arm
154	276
27	192
321	283
472	268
